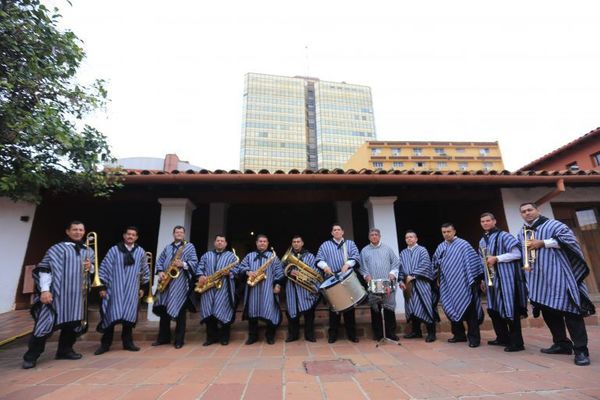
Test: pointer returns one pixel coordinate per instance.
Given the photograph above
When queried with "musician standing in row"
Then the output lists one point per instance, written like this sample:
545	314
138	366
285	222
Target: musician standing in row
174	301
217	306
378	261
416	270
301	301
339	255
507	297
556	282
261	300
460	272
60	297
123	271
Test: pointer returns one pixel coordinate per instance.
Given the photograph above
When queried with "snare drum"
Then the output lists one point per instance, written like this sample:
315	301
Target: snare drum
381	286
343	291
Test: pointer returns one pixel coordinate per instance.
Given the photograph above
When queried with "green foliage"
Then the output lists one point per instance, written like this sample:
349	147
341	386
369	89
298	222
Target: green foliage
43	142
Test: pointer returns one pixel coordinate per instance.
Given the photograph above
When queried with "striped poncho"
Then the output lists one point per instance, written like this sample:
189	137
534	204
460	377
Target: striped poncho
218	303
415	261
298	299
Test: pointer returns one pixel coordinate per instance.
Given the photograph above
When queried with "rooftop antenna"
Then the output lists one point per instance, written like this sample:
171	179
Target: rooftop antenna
307	61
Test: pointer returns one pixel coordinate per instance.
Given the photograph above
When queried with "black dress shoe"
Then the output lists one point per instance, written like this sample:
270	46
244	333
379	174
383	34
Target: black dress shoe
511	349
413	335
209	342
331	339
101	350
580	359
430	338
178	345
496	342
454	339
310	339
393	337
473	345
130	347
270	340
28	364
159	343
291	339
68	356
224	342
250	341
557	349
353	339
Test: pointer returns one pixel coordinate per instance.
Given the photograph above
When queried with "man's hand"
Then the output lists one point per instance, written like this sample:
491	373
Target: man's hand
328	271
251	274
392	277
46	297
491	261
368	279
141	293
161	276
102	294
87	265
402	285
482	286
345	268
294	273
178	263
535	244
277	289
202	280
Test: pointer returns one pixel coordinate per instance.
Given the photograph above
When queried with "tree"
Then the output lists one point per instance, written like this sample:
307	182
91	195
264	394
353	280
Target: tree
44	144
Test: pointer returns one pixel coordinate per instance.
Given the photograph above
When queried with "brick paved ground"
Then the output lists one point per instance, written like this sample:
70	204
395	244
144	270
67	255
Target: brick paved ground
415	370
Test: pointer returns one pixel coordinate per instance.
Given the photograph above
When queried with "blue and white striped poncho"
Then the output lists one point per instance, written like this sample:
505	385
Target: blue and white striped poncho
65	265
260	301
416	262
378	262
218	303
509	276
460	270
556	279
177	293
298	299
122	284
336	255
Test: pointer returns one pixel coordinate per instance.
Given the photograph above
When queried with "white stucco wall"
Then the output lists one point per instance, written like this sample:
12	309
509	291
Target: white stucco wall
14	236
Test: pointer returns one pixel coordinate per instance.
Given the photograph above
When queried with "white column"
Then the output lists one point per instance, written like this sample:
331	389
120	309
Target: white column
343	211
382	216
173	212
217	221
16	219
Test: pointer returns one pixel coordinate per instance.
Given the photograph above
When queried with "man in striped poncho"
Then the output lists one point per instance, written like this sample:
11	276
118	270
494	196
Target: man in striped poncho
217	305
173	303
556	283
507	297
123	271
460	271
421	307
60	297
378	261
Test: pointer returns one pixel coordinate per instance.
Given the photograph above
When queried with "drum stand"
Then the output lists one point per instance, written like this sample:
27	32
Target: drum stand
384	339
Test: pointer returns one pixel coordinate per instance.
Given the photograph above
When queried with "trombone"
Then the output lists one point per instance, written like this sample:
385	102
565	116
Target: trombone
149	299
529	254
91	240
489	272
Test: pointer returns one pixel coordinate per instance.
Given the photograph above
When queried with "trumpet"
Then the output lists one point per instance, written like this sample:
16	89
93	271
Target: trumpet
305	276
215	280
489	272
173	271
149	297
529	254
261	272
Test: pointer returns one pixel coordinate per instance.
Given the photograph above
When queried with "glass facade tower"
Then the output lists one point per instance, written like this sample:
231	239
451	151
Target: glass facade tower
299	122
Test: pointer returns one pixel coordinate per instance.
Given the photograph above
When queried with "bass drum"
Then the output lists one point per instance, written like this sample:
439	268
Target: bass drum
343	291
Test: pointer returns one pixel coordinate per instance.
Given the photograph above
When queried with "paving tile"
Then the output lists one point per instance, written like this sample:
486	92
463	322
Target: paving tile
264	391
302	391
224	391
345	390
184	391
31	392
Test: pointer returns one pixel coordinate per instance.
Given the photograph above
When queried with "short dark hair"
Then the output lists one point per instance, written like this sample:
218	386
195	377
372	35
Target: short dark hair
132	228
261	235
528	203
298	237
74	222
336	224
448	225
410	231
220	235
487	214
178	227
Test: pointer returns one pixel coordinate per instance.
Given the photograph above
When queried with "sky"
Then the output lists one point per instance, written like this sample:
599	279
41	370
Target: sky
523	73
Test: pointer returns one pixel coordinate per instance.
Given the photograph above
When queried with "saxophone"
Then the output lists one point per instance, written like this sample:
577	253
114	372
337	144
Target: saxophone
215	280
173	271
261	272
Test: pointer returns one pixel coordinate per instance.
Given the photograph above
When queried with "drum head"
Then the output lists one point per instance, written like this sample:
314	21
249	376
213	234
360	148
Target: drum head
335	279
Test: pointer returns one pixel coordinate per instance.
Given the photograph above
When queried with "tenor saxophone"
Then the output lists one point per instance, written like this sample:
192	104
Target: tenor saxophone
261	272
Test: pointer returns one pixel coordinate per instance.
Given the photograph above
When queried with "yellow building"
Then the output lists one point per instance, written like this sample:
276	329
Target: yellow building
427	156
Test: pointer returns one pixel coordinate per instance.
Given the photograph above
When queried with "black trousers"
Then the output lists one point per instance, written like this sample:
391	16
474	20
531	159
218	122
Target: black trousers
216	330
126	334
309	324
472	319
349	323
416	326
253	329
376	323
508	331
66	340
557	321
164	330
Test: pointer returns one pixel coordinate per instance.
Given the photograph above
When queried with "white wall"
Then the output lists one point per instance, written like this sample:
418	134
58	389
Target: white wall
513	197
14	236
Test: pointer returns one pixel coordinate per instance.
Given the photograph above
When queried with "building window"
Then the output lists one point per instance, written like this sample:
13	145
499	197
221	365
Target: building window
417	151
376	151
442	165
398	164
587	219
463	166
440	151
596	158
485	151
573	166
262	134
460	149
377	164
396	151
487	166
420	164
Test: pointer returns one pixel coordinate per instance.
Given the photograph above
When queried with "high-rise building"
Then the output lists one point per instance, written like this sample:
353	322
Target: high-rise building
301	122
